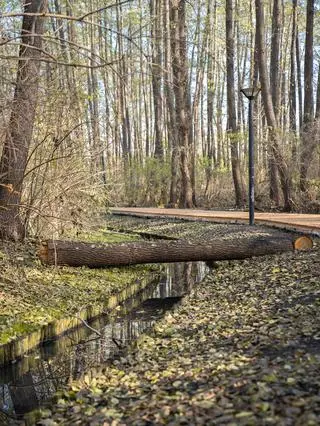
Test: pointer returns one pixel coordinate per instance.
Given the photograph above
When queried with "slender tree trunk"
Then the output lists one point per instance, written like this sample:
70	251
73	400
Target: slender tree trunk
201	41
293	84
155	14
181	91
19	135
275	93
210	149
122	85
232	119
318	96
93	92
172	124
221	157
308	144
269	110
299	80
275	57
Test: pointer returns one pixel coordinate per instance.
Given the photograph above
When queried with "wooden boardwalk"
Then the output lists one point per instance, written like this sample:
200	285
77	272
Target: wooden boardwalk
309	223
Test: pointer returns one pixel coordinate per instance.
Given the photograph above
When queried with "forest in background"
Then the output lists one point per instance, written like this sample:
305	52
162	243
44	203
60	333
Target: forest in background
134	102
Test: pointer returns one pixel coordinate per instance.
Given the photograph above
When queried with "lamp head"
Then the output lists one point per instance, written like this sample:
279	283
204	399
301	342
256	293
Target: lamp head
250	92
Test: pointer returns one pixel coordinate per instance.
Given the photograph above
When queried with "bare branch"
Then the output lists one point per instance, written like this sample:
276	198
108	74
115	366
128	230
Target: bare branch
72	18
54	39
66	64
64	137
49	160
62	16
42	15
88	326
103	8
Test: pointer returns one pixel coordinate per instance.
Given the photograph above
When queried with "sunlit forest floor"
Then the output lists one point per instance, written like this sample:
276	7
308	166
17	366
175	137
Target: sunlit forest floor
242	349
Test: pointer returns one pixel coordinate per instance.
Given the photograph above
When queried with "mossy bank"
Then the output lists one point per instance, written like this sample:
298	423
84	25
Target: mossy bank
39	302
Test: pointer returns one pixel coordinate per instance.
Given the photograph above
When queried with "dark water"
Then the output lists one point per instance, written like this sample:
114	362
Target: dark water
29	382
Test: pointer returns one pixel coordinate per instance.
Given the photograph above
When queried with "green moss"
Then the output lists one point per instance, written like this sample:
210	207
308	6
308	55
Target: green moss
103	236
35	416
33	295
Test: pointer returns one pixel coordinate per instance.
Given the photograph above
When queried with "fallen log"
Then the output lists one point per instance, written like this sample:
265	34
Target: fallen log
73	253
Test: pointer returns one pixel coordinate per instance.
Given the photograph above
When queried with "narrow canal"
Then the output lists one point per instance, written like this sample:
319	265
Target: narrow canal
31	381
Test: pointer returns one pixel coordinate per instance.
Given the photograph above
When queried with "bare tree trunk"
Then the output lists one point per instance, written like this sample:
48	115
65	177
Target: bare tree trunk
299	80
126	138
97	150
155	13
172	119
221	157
308	144
268	107
181	91
19	135
293	84
275	56
210	149
201	41
275	93
232	119
318	96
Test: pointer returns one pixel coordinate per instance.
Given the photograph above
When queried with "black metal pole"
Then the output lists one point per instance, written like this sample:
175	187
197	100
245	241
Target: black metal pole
251	164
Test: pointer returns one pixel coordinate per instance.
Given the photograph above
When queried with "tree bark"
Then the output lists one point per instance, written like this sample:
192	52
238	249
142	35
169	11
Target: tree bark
299	79
293	85
97	150
275	94
233	129
308	143
210	148
275	55
98	255
172	118
269	110
318	96
19	135
155	15
181	92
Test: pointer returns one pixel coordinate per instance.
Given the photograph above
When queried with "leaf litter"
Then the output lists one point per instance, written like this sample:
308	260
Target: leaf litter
243	348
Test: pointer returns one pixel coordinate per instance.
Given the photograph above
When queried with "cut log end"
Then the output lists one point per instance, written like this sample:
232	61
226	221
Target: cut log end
303	243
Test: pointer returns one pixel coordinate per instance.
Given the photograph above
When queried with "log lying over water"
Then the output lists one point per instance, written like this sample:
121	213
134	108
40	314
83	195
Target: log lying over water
73	253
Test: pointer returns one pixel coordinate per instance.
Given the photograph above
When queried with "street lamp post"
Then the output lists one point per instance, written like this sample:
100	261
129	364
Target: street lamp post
251	93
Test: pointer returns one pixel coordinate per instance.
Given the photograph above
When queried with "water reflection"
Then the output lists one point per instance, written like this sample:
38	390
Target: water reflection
26	384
